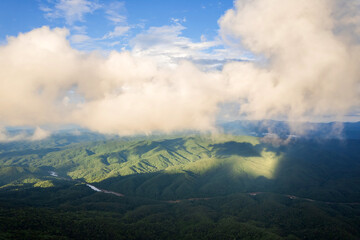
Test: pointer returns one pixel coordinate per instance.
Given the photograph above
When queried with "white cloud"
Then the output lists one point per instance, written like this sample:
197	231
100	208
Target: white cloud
119	93
79	29
310	71
79	38
45	9
118	31
6	137
178	20
71	10
38	134
115	12
112	44
168	46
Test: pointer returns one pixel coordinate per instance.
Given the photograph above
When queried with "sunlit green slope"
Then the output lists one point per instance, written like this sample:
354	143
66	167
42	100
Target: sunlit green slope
196	187
170	167
94	162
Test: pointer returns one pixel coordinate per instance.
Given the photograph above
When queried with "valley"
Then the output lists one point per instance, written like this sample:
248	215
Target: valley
196	185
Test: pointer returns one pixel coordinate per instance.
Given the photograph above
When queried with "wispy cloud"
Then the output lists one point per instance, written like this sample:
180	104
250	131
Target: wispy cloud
178	20
118	31
79	29
71	10
79	38
167	44
74	11
115	12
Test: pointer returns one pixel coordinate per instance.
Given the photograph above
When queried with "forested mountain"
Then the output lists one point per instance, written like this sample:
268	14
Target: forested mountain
194	186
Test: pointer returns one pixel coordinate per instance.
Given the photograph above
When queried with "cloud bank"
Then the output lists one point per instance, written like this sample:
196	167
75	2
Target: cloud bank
45	81
308	57
310	70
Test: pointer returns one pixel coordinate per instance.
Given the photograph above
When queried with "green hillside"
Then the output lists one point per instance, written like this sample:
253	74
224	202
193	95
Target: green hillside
194	186
97	161
198	165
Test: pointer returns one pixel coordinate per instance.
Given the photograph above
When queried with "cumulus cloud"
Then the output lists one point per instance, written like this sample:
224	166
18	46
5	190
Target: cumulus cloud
45	81
156	100
36	70
307	69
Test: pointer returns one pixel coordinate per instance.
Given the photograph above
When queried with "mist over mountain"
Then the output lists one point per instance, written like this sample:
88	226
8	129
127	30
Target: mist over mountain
331	130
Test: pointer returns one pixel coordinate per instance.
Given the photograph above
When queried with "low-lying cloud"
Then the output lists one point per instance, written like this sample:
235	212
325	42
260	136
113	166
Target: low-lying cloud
35	135
307	68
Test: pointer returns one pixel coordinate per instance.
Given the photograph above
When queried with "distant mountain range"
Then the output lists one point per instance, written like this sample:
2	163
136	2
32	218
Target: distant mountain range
337	130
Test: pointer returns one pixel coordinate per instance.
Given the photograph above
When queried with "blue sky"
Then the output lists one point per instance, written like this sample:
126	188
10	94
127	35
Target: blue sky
111	25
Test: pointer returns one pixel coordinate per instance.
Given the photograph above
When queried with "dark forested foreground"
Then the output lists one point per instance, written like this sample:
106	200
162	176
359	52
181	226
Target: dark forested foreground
179	187
237	216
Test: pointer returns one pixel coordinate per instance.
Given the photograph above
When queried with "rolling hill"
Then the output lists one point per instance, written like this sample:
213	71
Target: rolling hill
196	186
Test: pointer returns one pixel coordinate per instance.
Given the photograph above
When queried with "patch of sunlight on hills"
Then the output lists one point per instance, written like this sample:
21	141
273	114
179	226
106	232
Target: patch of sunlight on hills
265	165
30	181
199	167
97	161
44	184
